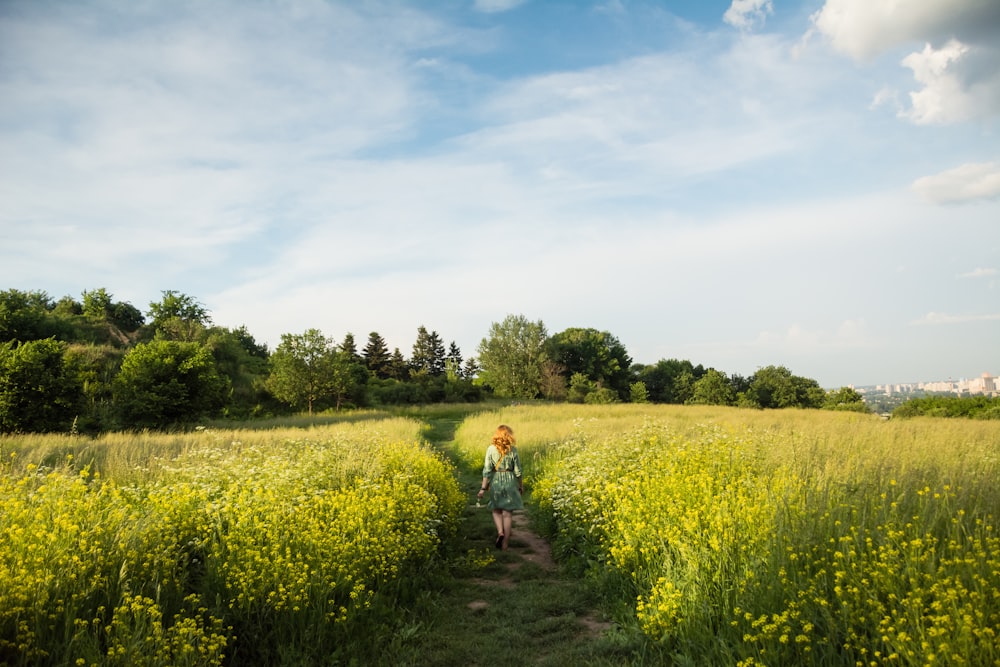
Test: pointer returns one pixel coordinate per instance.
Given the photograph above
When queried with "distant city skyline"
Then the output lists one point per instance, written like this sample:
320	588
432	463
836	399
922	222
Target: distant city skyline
984	383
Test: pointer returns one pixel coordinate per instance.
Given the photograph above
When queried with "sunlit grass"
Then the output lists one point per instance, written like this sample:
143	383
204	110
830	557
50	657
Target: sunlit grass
793	537
272	546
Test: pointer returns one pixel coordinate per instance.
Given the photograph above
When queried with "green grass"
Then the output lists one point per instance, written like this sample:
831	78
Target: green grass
805	477
488	606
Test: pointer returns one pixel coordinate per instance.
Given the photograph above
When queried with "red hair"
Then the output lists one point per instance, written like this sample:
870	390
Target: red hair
503	439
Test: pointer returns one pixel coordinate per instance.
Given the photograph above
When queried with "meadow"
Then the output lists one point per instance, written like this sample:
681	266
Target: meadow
715	536
215	547
734	537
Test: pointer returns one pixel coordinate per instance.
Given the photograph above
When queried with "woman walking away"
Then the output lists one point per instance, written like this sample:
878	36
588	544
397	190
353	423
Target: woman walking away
502	476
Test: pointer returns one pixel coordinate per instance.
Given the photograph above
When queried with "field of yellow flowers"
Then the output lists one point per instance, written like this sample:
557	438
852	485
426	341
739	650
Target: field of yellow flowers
740	537
265	547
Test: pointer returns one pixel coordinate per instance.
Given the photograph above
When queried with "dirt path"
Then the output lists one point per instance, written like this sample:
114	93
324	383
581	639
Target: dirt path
504	607
528	547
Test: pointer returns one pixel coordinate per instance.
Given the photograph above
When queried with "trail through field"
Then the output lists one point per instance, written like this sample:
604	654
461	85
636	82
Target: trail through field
518	609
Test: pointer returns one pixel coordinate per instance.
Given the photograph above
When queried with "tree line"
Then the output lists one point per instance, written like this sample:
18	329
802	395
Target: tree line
96	364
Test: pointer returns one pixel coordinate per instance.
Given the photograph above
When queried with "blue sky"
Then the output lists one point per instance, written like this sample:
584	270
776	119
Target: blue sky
810	184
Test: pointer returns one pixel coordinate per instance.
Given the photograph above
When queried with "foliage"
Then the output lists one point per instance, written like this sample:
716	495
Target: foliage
776	387
713	388
40	387
970	407
303	368
846	398
638	393
597	355
669	380
178	316
428	353
243	362
511	357
517	360
99	304
376	356
165	383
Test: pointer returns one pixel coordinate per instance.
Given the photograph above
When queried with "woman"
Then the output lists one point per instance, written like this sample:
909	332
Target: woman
502	476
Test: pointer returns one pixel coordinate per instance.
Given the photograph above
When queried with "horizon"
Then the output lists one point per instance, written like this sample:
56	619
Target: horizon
745	183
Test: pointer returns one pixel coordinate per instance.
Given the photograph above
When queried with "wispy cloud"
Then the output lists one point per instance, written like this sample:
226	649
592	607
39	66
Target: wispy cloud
933	318
748	14
966	183
979	273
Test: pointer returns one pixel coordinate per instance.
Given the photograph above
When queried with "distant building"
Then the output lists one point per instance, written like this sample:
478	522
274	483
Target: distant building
984	384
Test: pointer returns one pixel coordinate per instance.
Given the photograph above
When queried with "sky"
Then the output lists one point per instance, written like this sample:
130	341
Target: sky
738	183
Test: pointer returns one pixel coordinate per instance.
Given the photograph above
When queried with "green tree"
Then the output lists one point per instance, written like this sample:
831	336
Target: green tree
596	354
178	316
376	356
165	383
638	393
126	317
303	369
250	344
470	370
98	366
398	368
24	316
601	396
348	380
40	388
713	388
350	348
97	303
511	357
664	382
580	386
454	357
100	305
237	357
428	353
845	398
777	387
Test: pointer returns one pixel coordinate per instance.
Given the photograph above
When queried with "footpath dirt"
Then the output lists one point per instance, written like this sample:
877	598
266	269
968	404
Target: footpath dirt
505	607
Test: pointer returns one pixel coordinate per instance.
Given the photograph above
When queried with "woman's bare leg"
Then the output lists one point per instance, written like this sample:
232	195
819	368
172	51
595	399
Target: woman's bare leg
507	521
498	521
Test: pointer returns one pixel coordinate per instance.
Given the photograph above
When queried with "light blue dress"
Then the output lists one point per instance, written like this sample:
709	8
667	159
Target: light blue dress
504	475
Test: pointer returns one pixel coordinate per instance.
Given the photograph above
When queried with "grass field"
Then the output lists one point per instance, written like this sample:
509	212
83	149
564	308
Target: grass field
792	537
216	547
719	536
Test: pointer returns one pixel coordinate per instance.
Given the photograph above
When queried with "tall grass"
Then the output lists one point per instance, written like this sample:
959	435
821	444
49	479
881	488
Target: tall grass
243	547
792	537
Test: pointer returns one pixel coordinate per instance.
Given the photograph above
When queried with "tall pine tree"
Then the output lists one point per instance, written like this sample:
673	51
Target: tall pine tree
376	356
428	353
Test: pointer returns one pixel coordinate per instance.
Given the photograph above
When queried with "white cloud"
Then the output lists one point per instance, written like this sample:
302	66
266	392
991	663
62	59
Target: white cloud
747	14
866	28
933	318
958	68
943	98
969	182
979	273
